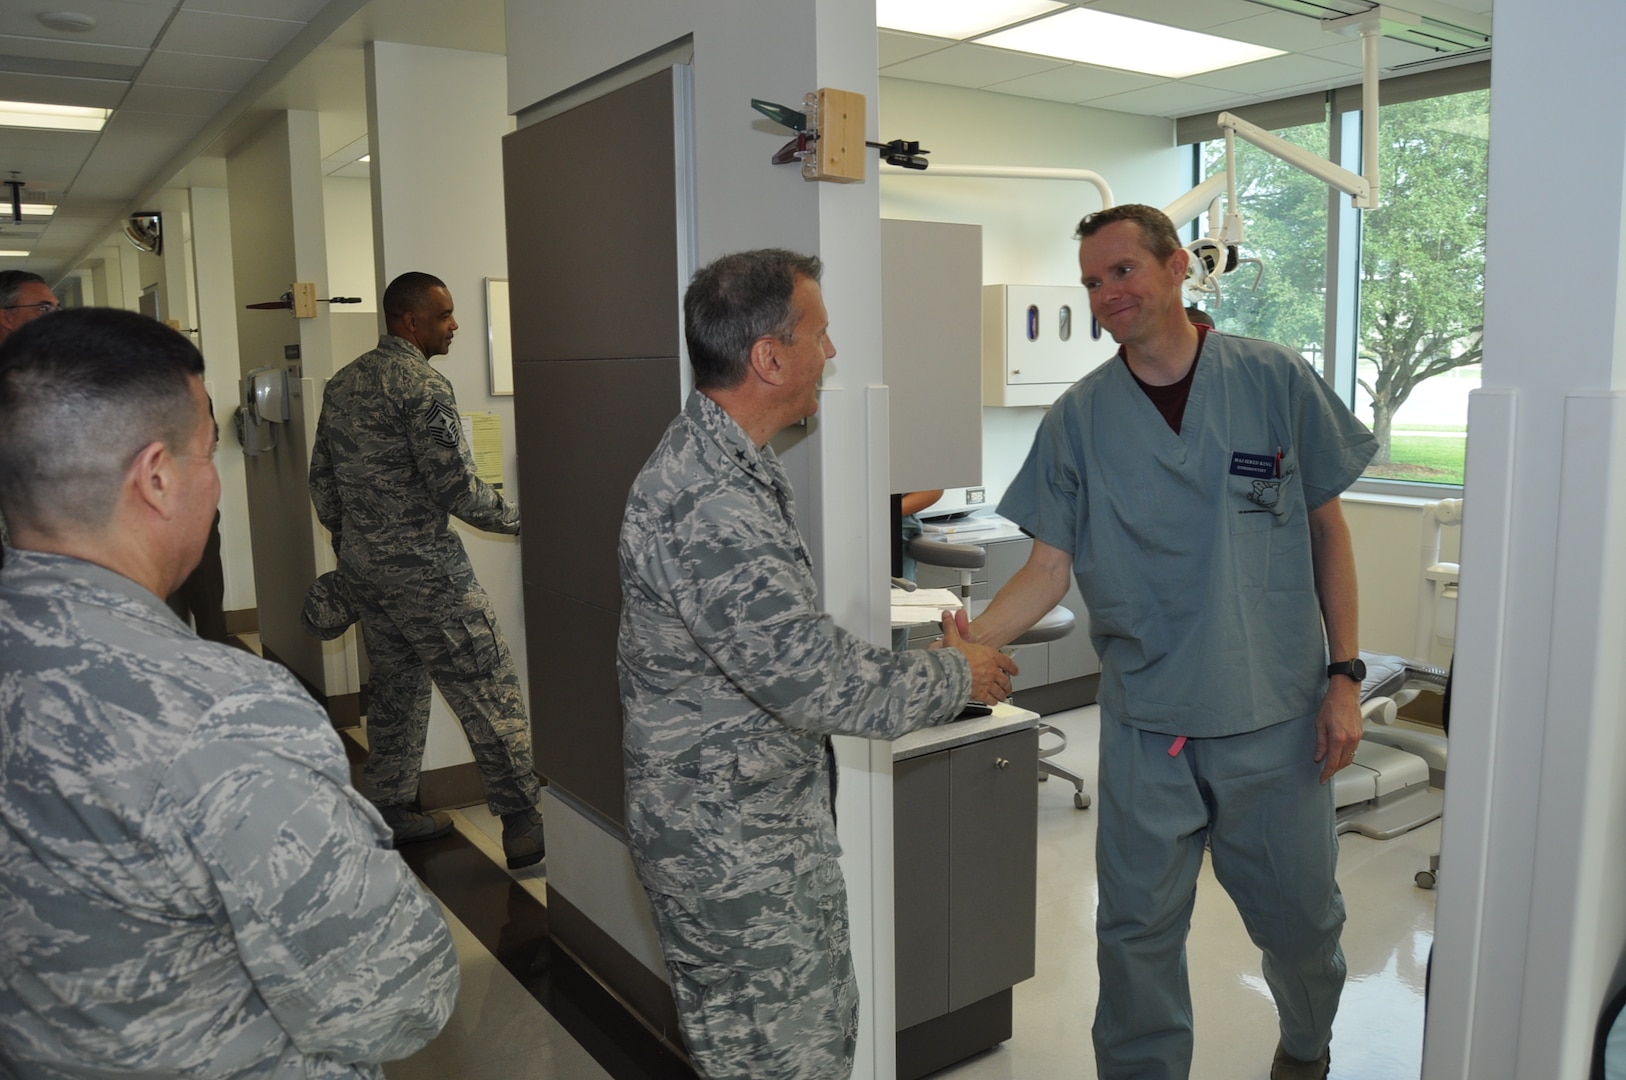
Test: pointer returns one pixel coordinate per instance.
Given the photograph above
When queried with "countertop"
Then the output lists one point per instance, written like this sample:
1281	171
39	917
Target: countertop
1005	719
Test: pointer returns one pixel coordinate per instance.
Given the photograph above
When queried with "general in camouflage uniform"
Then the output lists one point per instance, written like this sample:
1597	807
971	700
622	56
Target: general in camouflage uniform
389	467
189	885
732	681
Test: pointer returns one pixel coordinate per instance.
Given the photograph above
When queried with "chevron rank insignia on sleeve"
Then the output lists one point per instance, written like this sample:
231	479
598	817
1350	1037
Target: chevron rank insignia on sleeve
444	425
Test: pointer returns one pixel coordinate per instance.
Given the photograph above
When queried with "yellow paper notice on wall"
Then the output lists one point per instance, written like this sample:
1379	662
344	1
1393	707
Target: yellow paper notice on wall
484	434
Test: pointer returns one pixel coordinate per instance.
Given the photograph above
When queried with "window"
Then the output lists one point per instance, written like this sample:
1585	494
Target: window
1401	335
1422	286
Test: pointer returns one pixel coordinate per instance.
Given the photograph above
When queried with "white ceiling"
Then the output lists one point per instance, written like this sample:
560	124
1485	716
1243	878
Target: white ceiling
188	78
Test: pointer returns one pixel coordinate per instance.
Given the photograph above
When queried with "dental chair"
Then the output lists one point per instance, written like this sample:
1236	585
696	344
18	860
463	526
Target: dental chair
1395	782
1056	623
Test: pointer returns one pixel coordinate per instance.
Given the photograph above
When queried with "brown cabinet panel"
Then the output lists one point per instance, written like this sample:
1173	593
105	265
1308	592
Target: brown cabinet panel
592	228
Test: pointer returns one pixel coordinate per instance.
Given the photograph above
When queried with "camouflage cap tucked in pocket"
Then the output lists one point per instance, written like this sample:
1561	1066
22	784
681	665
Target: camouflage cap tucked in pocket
328	611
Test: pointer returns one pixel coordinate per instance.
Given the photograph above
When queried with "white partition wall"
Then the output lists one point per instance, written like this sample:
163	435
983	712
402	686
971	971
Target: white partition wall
1532	902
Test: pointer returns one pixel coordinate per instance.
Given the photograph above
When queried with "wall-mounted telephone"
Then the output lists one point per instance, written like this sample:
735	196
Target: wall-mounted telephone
265	401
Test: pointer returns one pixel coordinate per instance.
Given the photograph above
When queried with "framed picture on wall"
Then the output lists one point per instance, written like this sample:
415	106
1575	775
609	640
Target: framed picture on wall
499	342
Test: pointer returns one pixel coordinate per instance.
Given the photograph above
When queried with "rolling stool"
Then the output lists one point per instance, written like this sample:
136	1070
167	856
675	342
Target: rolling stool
1056	623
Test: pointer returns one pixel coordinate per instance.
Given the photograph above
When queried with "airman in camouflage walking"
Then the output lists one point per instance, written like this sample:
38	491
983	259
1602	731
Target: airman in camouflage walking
189	885
390	465
732	682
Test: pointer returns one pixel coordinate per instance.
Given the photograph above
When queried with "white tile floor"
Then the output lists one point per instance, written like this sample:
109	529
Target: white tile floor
1379	1031
1378	1034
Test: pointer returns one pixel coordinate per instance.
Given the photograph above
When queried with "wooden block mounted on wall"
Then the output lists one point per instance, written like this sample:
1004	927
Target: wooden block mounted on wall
304	299
840	151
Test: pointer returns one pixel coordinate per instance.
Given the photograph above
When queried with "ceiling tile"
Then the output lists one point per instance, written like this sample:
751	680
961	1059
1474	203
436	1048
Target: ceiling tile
1074	83
972	65
1281	30
199	72
119	157
298	10
96	93
72	51
75	69
173	101
228	35
47	160
1391	53
1271	76
118	22
1166	99
1182	13
896	46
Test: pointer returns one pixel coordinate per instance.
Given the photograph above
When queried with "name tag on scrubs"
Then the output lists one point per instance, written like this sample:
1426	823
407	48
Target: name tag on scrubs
1259	466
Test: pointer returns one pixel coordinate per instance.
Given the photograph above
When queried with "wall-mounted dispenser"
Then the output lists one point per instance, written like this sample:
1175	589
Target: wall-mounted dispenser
1037	340
265	402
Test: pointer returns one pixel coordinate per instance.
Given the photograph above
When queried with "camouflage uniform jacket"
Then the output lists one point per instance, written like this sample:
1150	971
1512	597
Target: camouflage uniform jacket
189	885
391	464
731	676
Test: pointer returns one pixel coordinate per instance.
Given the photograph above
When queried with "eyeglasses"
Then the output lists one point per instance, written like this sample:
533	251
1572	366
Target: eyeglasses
44	307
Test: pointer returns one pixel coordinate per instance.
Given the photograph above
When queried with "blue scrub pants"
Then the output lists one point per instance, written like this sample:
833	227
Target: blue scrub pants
1257	801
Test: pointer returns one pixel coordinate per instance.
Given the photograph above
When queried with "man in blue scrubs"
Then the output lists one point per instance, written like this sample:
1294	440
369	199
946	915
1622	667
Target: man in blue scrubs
1192	487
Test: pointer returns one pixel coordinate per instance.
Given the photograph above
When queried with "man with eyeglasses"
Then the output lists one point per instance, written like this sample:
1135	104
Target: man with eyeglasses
24	297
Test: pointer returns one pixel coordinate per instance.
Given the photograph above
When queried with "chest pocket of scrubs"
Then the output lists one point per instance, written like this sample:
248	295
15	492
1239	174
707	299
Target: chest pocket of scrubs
1259	503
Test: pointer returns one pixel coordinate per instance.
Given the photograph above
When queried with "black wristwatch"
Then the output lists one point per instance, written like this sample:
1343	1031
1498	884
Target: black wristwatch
1355	669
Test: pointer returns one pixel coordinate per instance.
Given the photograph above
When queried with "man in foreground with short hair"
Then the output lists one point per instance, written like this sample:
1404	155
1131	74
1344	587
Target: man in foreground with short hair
1191	485
733	681
189	885
389	469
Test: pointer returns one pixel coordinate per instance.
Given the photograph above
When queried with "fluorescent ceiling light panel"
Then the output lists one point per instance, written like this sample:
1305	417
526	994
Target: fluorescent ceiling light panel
958	19
1114	41
13	254
35	209
29	114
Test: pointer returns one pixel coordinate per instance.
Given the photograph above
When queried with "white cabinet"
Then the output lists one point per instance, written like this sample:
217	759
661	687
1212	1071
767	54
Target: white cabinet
1037	340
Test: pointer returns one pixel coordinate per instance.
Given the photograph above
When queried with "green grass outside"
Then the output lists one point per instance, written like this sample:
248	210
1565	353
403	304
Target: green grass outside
1423	458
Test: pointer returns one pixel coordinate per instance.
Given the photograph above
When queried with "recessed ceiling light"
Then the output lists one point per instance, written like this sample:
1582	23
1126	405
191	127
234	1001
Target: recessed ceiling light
31	114
32	209
365	157
958	19
70	22
13	254
1115	41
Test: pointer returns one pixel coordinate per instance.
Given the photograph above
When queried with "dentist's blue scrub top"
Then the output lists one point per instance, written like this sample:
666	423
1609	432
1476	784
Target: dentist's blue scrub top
1192	550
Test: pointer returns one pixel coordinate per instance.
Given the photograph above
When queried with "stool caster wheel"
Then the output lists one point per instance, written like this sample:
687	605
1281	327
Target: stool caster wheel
1426	879
1081	800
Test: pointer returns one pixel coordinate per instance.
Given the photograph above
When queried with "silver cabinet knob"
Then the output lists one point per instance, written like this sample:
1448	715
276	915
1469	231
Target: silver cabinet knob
1001	763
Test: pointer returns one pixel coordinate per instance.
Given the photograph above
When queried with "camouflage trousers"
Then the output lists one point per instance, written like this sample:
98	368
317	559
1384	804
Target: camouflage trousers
764	982
443	630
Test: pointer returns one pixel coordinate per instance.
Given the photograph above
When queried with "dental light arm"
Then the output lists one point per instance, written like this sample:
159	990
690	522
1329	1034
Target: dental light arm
1215	254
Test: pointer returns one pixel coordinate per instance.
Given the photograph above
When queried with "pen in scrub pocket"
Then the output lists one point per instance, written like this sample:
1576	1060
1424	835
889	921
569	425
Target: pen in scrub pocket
1278	462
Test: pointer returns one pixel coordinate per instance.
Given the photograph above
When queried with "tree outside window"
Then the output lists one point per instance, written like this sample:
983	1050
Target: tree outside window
1423	285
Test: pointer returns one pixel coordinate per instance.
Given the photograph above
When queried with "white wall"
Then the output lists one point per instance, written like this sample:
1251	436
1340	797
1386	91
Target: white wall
428	109
1027	225
347	204
1530	929
277	238
210	215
